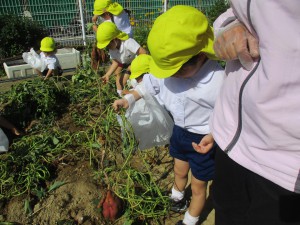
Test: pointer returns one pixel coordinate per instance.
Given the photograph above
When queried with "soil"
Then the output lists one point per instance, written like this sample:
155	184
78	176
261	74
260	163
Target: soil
76	201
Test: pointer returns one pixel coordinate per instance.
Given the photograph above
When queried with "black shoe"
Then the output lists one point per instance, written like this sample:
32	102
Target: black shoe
179	206
180	223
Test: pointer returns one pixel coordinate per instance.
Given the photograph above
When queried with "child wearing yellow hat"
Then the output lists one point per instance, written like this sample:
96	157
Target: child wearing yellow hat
151	123
122	50
113	12
49	58
139	70
181	45
139	67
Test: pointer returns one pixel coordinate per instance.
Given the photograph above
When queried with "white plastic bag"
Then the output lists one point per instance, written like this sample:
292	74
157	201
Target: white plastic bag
34	60
3	141
151	123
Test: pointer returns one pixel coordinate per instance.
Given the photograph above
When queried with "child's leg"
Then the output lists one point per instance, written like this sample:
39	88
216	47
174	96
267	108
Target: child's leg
181	169
197	203
179	202
198	196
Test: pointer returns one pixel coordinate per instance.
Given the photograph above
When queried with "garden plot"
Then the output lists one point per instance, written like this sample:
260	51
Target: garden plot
73	152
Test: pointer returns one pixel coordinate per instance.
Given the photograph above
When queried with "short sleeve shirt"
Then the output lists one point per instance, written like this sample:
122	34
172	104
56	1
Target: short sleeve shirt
189	100
50	61
123	23
127	51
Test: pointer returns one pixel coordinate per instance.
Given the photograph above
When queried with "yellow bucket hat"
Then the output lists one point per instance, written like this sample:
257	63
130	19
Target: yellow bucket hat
140	65
106	32
47	44
102	6
176	36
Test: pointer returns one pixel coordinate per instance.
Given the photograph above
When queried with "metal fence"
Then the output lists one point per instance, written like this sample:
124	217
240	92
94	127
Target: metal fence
67	20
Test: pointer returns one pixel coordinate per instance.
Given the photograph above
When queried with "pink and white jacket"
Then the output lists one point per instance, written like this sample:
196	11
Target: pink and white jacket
256	119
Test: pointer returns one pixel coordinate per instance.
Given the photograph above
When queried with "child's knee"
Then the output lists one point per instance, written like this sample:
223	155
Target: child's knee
180	173
198	190
198	187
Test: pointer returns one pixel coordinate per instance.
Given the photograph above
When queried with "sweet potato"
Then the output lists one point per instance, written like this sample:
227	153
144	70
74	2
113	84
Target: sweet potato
112	206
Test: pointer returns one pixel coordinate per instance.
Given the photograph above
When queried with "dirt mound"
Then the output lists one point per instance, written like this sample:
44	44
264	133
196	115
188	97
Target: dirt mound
72	203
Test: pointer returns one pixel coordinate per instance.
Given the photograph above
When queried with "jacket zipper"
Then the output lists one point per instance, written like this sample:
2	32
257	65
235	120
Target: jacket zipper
239	128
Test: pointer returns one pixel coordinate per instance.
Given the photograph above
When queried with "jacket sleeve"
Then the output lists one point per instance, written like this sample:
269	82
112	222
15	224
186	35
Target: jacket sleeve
223	21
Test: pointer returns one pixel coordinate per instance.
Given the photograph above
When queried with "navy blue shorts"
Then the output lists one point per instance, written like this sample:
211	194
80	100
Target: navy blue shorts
202	165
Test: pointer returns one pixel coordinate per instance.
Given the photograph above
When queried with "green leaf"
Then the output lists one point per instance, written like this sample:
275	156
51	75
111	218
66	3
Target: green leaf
55	140
96	145
40	193
89	26
27	207
56	185
128	222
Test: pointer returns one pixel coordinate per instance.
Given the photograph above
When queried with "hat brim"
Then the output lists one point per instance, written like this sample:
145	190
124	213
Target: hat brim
97	12
135	75
47	49
102	45
208	49
161	73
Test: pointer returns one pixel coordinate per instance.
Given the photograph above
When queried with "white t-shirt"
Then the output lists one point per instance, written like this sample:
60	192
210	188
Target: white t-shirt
126	53
189	100
51	61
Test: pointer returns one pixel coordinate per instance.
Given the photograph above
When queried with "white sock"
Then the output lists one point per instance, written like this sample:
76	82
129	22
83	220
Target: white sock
119	92
190	220
177	195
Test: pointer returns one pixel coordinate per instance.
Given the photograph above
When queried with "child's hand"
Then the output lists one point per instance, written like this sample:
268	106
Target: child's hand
95	28
120	103
105	79
125	92
205	144
16	132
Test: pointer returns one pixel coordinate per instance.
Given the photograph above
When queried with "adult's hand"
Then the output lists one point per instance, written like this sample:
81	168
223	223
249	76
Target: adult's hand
236	42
